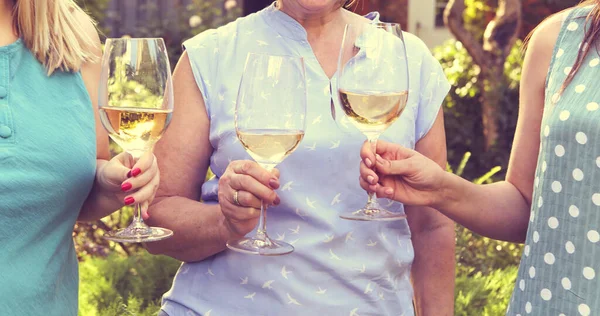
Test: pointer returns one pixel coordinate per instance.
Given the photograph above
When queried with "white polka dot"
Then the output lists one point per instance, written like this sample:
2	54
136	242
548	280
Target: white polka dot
544	166
589	273
573	26
560	52
553	222
584	310
594	62
532	272
577	174
526	250
555	98
561	314
564	115
570	247
546	130
528	308
581	138
556	187
536	182
573	211
522	285
532	216
596	199
568	70
592	106
549	258
536	236
566	283
540	202
598	161
593	236
546	294
580	88
559	150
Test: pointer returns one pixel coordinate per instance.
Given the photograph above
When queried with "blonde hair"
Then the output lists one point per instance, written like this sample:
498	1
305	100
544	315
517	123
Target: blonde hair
53	33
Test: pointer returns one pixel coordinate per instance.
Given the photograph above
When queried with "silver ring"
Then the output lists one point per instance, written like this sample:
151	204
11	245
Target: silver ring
235	198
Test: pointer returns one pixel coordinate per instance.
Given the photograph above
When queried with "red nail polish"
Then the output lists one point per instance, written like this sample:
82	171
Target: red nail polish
129	200
135	172
129	174
277	201
274	184
126	186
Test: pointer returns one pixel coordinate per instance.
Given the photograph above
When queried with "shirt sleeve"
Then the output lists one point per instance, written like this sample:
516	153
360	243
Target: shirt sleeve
201	50
434	87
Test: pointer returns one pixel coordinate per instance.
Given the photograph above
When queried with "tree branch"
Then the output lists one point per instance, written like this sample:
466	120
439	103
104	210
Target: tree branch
501	33
453	17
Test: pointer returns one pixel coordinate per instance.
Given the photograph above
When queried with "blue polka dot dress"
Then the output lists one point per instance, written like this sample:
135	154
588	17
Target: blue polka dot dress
561	257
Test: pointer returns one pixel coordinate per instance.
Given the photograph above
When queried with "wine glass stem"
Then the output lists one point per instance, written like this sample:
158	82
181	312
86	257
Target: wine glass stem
373	142
261	232
138	221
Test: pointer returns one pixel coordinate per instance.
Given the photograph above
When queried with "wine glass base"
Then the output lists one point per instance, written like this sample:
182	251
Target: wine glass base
368	214
263	247
138	235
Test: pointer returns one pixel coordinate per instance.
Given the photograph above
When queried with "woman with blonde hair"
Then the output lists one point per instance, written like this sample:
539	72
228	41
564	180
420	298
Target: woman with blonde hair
54	166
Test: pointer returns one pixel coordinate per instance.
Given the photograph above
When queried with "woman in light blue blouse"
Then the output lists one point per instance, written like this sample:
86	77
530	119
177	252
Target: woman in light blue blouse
339	267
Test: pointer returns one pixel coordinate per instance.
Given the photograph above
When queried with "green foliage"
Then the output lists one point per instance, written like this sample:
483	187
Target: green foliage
464	128
96	9
118	285
484	295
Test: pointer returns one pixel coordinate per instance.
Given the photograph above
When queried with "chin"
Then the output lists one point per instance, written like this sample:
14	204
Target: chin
317	5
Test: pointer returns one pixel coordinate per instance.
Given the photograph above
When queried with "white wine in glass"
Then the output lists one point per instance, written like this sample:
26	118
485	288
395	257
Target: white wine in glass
270	120
136	103
372	82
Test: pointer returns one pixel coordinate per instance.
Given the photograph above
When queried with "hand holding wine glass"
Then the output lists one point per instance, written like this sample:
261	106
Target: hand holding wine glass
373	90
136	102
270	120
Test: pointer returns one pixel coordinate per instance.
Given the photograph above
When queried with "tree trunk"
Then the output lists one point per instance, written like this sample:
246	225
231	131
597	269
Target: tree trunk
499	38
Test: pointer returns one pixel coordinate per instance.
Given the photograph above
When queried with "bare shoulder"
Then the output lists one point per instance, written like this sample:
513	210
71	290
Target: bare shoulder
544	37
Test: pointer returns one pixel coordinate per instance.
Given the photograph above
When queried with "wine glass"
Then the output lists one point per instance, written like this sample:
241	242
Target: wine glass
270	120
136	103
372	84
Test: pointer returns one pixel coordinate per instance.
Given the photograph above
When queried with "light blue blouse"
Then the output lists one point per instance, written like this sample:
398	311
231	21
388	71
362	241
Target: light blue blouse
339	267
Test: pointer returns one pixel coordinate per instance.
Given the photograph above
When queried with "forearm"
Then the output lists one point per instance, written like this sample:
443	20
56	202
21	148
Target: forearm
99	203
497	210
433	270
199	229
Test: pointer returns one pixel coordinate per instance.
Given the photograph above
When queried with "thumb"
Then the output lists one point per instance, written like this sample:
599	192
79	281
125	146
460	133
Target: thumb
393	167
117	169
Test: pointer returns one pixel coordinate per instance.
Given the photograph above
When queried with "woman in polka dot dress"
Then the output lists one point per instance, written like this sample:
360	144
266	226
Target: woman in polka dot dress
551	196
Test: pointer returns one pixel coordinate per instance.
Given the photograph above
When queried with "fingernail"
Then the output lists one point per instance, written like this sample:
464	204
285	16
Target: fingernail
147	216
371	179
277	201
136	171
379	159
368	162
389	191
129	200
273	183
126	186
129	174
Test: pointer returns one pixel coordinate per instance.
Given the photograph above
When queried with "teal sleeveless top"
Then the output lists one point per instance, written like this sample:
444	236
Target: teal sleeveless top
47	168
560	266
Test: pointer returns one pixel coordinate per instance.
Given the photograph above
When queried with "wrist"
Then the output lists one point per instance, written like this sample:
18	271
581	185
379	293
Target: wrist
445	192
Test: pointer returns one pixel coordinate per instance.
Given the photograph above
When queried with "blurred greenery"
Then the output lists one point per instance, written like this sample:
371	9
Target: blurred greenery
462	112
118	285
